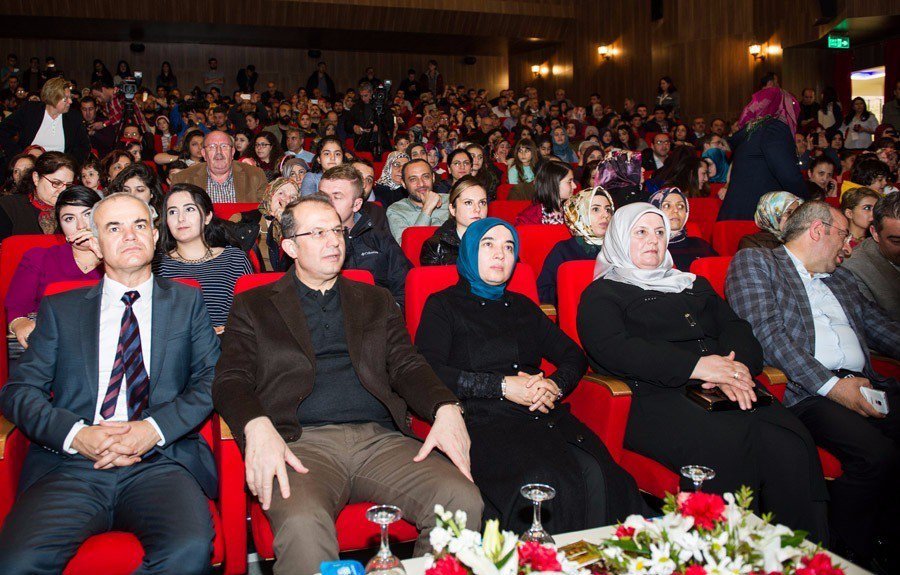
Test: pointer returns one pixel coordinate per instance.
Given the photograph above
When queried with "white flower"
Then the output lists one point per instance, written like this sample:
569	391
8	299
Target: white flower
475	560
773	554
460	517
661	560
429	561
569	567
638	566
690	545
439	539
467	539
613	552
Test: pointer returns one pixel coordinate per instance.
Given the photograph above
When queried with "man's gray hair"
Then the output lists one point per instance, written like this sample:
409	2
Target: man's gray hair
365	86
804	216
230	137
887	207
289	223
96	231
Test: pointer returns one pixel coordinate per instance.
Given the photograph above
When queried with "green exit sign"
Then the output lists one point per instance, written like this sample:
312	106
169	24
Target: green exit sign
839	42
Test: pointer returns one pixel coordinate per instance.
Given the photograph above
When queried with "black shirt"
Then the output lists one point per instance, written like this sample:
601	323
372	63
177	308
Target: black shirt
338	396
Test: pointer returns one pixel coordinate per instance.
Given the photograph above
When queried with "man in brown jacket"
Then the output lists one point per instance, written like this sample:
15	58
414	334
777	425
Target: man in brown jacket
316	379
224	180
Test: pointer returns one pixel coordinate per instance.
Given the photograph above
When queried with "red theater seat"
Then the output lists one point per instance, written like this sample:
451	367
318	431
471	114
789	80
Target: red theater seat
727	235
572	278
503	192
412	239
834	202
226	210
714	269
704	212
60	287
536	241
249	281
507	210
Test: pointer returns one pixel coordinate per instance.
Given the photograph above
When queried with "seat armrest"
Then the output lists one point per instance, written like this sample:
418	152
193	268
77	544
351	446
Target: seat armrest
224	430
616	386
775	375
6	429
549	309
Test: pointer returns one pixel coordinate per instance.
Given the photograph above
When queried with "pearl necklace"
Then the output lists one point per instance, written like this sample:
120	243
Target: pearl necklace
206	257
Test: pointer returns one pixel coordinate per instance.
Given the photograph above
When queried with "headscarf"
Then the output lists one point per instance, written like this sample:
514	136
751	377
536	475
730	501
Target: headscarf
657	199
770	103
385	179
619	169
46	213
771	208
563	151
577	212
718	158
614	262
287	164
467	262
265	206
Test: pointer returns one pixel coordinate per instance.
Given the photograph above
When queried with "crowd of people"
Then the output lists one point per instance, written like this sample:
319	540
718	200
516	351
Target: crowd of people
315	374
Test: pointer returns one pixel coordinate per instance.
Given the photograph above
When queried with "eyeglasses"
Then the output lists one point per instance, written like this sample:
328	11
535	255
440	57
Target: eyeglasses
216	147
845	234
322	233
262	145
57	184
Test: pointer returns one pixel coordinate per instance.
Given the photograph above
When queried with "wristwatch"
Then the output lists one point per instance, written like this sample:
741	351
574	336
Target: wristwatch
443	403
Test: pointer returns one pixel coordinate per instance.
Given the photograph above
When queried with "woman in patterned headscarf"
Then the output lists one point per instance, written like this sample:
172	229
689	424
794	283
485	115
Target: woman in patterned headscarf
684	249
772	213
389	187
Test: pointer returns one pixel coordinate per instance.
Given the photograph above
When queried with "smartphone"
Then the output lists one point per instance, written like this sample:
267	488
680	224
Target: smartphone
138	75
314	102
877	398
245	96
51	65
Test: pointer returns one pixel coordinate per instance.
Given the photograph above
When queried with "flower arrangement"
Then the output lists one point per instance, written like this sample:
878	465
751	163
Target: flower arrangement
460	551
707	534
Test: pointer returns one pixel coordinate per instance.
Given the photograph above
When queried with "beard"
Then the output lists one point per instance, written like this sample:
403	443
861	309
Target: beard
285	119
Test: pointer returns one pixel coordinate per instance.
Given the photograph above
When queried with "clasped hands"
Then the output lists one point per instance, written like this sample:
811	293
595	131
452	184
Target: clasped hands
730	376
533	391
116	443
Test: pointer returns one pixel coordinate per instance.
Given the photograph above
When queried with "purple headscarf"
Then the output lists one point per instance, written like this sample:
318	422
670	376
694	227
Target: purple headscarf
771	103
619	169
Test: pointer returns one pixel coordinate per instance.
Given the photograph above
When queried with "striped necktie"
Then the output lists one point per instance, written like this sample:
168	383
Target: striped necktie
129	364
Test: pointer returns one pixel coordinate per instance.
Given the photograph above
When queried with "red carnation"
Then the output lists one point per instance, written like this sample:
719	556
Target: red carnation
447	565
623	532
539	557
706	508
695	570
819	564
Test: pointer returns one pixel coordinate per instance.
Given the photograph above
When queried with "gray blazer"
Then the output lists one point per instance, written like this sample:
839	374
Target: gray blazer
877	279
55	382
763	288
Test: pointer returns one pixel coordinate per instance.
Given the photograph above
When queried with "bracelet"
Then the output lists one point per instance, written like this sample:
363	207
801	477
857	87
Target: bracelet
10	325
503	388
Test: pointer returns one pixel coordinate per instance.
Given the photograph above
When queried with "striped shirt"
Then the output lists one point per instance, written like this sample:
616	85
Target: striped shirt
221	193
216	276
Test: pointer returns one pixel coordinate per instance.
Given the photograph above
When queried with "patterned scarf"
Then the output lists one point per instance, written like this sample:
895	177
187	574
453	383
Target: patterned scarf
47	213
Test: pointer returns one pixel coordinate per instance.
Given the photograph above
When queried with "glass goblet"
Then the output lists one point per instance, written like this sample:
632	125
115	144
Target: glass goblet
537	493
384	562
698	474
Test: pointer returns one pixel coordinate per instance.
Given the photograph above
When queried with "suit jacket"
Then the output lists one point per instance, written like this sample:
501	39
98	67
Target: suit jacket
268	362
249	181
764	288
877	279
55	382
26	121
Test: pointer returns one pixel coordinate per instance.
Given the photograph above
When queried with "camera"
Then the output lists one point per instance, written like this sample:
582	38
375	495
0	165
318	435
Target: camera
131	84
379	96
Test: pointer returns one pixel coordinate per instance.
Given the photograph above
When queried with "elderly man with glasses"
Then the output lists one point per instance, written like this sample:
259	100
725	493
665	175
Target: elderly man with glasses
225	180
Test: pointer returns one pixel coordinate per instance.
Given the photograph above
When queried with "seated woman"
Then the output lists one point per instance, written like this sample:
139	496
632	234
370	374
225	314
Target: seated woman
113	163
195	243
263	225
562	149
772	213
487	344
858	206
459	163
587	216
31	209
389	187
484	170
684	249
267	153
468	204
77	259
141	181
660	329
554	184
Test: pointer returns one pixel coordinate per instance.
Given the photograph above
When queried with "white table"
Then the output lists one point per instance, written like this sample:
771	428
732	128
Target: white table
417	566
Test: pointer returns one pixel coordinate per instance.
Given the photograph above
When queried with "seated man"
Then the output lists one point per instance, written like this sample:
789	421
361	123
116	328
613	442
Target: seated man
368	247
876	261
225	180
814	325
423	207
318	355
114	384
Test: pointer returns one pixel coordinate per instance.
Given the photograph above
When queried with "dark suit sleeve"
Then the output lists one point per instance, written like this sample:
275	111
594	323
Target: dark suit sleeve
25	399
397	268
882	333
9	129
781	157
193	405
560	350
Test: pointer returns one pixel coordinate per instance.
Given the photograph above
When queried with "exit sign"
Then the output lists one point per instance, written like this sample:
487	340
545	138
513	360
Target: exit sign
839	42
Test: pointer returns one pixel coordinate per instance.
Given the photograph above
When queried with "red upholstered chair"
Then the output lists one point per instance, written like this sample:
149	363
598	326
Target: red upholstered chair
704	212
60	287
507	210
378	167
714	188
412	239
226	210
727	235
572	278
693	230
536	241
353	530
503	192
365	156
834	202
715	269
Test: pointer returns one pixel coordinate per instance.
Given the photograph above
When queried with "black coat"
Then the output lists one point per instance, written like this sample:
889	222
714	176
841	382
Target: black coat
371	248
564	251
363	115
464	337
313	82
26	121
764	161
442	248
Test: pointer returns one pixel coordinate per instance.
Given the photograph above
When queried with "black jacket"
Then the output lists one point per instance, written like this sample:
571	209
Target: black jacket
442	248
313	82
371	248
363	115
26	121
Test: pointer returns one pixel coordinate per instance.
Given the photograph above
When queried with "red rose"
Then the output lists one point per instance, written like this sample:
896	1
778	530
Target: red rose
539	557
695	570
707	509
447	565
623	532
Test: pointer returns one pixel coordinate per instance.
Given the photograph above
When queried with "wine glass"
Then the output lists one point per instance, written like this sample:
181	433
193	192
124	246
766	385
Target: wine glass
698	474
537	493
384	562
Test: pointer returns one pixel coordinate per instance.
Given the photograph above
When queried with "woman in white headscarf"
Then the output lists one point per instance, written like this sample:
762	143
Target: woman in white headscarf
662	330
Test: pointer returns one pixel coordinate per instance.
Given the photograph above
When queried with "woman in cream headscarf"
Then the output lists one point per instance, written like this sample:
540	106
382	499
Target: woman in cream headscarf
265	223
772	213
666	333
587	215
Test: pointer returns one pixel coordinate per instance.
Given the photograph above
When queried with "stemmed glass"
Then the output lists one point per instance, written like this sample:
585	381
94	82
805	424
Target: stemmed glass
384	562
698	474
537	493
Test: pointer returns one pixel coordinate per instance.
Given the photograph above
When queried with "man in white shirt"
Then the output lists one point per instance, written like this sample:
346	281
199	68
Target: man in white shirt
128	365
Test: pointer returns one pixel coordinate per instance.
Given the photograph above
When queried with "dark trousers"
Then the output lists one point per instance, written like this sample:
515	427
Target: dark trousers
864	501
159	502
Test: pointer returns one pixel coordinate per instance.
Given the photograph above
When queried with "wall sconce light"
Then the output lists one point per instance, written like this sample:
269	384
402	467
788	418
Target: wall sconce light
537	70
757	52
605	52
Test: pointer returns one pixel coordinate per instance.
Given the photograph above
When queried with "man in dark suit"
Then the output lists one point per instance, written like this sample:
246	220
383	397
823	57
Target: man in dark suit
49	123
224	179
816	326
318	355
654	157
114	384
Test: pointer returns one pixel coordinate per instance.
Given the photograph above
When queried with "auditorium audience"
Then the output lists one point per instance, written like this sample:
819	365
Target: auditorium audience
223	179
876	261
141	181
816	327
587	216
468	203
459	164
423	206
31	209
868	171
639	308
554	184
857	206
772	214
821	182
683	248
195	243
389	186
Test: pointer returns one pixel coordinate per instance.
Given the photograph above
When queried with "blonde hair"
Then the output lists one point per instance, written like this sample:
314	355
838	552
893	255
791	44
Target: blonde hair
463	184
54	90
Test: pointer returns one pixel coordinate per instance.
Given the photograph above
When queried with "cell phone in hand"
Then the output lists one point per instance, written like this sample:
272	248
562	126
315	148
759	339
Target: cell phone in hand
877	398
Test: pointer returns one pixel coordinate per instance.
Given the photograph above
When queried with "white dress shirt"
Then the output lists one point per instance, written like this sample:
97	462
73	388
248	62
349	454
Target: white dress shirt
836	344
112	308
50	135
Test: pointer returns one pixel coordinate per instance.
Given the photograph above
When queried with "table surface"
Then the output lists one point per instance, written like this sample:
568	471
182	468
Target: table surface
417	566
